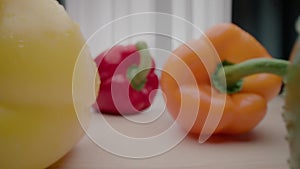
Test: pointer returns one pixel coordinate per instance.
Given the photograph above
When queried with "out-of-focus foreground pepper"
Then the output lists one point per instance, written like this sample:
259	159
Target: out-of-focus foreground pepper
39	49
243	109
128	82
292	106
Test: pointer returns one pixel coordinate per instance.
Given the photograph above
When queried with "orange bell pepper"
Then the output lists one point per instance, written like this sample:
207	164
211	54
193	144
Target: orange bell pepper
195	60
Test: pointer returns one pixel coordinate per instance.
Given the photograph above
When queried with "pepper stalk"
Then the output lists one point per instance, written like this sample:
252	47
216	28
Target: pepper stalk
234	73
137	74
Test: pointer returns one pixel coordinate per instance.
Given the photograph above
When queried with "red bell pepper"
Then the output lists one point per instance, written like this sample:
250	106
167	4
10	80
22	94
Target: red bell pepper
128	82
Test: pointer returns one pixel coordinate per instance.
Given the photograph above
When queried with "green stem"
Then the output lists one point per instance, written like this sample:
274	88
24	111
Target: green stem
138	73
234	74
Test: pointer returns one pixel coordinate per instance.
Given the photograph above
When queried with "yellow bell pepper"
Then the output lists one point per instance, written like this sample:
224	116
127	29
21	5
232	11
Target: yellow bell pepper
39	45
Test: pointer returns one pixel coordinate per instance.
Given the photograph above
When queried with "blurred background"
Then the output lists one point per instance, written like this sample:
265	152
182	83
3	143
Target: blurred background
270	21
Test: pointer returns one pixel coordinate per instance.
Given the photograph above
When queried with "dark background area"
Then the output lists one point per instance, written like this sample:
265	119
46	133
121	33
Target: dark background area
272	22
61	2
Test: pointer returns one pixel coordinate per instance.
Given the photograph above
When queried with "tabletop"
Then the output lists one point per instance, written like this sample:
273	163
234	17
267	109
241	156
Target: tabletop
263	148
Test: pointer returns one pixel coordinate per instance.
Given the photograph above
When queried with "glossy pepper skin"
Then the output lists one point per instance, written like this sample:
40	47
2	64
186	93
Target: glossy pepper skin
243	110
39	48
116	94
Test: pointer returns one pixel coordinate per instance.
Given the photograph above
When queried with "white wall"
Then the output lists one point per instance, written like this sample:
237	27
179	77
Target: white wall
92	15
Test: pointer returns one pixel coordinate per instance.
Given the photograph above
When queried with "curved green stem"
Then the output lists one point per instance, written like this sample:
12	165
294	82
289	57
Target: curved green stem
138	73
234	74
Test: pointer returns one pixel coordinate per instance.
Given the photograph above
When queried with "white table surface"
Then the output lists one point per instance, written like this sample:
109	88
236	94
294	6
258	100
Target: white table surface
263	148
